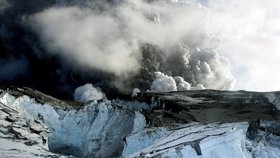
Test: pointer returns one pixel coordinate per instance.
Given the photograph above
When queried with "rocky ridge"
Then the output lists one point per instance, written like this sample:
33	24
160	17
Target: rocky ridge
176	124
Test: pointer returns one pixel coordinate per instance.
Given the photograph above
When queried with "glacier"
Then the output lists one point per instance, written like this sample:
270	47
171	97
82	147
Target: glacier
37	125
97	129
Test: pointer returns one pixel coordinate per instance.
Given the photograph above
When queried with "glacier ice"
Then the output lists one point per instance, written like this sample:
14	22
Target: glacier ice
119	128
93	130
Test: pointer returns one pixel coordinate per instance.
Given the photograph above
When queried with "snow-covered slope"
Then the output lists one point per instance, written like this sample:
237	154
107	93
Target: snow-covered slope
192	140
94	130
36	125
20	136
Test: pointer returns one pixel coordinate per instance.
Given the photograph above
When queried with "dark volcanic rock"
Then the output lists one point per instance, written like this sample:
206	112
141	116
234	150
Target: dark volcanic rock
216	106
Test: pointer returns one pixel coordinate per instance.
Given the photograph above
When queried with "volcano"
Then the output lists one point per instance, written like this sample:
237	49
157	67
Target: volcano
138	78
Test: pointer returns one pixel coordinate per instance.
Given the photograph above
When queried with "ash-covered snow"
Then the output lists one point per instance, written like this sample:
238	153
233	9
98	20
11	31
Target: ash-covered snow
189	135
10	148
268	141
20	134
132	105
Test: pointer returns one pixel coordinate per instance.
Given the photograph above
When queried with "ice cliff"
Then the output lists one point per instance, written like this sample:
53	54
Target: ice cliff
37	125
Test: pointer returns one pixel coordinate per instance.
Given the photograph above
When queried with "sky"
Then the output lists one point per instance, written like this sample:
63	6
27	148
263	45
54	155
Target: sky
250	33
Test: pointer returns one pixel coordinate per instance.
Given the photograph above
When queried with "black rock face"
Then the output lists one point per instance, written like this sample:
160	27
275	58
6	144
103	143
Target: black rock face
216	106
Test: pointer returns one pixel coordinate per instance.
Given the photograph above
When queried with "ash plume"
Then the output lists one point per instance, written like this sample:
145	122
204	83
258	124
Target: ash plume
119	45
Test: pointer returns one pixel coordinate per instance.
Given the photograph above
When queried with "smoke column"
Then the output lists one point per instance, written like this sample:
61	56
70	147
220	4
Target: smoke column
110	39
123	44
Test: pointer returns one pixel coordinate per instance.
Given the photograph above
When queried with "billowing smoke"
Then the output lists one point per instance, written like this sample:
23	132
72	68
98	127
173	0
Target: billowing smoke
250	34
87	92
182	85
91	39
165	83
110	40
120	44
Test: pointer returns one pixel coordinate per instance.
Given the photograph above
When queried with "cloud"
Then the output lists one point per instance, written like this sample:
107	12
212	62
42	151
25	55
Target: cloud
87	92
212	70
163	83
249	33
90	39
182	85
109	37
102	40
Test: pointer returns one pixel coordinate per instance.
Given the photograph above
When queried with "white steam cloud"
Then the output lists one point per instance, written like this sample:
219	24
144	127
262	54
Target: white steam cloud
87	92
165	83
182	85
250	34
88	38
109	39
